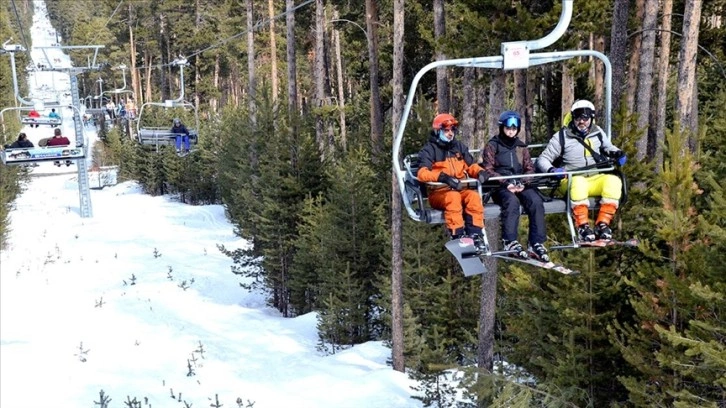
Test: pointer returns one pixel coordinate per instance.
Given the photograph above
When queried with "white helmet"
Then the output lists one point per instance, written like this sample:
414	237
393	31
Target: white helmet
583	107
580	109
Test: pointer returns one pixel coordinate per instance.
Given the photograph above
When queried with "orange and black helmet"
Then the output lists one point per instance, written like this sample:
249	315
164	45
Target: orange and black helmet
444	121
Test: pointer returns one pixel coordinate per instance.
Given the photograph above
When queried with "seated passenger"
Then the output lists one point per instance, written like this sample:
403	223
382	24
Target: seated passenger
506	155
447	160
33	114
53	114
181	134
22	142
585	144
58	139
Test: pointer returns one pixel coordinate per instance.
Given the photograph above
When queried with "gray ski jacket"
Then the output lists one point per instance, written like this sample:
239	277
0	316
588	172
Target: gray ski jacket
574	153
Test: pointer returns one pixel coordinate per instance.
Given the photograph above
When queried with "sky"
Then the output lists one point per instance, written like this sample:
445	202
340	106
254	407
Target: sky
138	302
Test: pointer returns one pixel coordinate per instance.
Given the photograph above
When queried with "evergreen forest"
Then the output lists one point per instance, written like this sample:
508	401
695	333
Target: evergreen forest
298	103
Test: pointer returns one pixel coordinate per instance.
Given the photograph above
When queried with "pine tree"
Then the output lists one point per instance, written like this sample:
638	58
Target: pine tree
675	342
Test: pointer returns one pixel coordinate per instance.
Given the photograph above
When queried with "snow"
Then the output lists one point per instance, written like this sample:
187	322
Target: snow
128	300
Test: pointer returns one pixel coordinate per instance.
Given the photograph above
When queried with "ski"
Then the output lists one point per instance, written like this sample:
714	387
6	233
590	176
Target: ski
545	265
600	243
470	258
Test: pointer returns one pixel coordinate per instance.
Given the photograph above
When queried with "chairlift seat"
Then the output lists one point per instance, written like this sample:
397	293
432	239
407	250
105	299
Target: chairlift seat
417	195
40	154
163	136
43	120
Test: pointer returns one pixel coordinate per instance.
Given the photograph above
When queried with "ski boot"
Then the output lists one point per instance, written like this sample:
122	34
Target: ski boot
539	252
479	244
586	233
603	231
515	247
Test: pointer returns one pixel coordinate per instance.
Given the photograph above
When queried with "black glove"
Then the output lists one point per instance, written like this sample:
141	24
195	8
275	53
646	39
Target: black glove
483	176
619	156
615	154
450	181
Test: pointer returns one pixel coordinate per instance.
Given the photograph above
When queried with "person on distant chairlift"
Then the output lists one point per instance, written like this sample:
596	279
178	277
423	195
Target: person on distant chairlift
507	155
58	139
181	134
446	160
22	142
121	109
53	114
111	109
131	108
34	114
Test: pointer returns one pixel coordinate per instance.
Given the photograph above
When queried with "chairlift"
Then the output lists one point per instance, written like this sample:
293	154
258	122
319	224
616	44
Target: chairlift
122	90
27	155
163	136
515	55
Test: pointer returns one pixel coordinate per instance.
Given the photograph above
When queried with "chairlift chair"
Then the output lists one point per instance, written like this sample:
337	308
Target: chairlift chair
515	55
20	156
162	136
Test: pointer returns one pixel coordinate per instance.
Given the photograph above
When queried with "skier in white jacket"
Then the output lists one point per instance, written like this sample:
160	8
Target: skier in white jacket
579	133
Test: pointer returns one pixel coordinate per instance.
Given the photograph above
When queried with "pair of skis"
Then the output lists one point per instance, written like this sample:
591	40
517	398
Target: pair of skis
470	257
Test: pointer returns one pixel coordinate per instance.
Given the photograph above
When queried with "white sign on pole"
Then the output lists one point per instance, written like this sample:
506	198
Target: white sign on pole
516	55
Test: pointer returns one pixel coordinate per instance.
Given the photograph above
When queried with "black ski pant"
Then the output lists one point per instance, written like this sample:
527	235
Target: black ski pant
531	201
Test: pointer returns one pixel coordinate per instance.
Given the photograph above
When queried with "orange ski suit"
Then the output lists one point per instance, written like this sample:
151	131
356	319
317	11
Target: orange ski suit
463	210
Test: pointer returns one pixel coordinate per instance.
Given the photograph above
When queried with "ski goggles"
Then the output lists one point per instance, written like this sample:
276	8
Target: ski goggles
511	123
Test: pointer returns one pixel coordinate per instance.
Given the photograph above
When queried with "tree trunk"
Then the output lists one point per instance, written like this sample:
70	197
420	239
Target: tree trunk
252	81
467	118
488	294
568	91
396	222
214	102
375	100
483	116
442	80
497	96
147	63
164	52
521	102
488	301
618	50
533	78
319	77
197	59
663	73
645	75
687	89
597	70
291	64
273	50
340	87
135	86
633	65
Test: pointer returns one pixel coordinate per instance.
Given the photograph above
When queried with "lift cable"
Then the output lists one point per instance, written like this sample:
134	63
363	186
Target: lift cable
20	27
107	21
